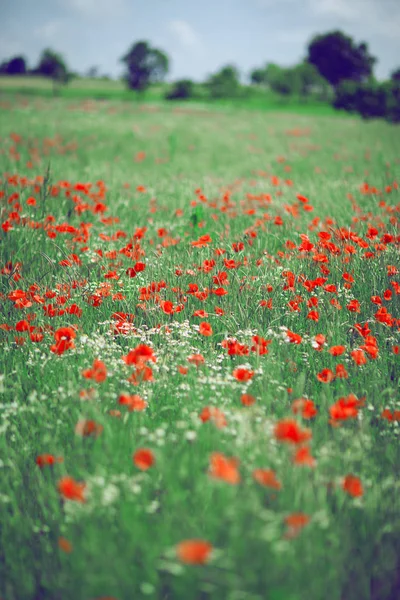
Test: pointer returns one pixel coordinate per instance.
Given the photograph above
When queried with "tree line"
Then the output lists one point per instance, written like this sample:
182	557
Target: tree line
335	69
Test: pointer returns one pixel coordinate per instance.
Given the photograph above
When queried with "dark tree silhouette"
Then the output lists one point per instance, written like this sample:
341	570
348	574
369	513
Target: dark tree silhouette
51	64
181	90
14	66
257	76
144	65
338	58
395	76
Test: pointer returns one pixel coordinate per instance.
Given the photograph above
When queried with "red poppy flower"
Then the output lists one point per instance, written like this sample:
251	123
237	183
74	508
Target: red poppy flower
290	432
337	350
212	413
71	489
353	486
359	357
305	407
326	376
267	477
247	399
139	355
303	456
196	359
143	459
222	467
194	552
98	372
205	329
134	402
242	374
88	427
48	460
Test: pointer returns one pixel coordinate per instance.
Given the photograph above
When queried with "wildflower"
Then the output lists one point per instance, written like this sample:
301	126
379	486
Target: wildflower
267	478
194	552
295	523
48	460
63	337
64	545
303	456
359	357
214	414
134	402
222	467
137	268
340	372
143	459
326	376
353	486
293	338
242	374
305	407
337	350
344	408
353	306
196	359
247	399
290	432
139	355
71	489
205	329
98	372
86	428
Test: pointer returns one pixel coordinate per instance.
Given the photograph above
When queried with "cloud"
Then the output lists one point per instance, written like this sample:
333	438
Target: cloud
98	9
184	33
375	17
274	3
379	17
336	8
48	31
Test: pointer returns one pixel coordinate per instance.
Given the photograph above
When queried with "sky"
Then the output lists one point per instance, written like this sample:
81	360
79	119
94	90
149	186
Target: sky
198	36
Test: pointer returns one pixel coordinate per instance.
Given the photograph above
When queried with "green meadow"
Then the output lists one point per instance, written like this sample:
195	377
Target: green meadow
250	97
199	328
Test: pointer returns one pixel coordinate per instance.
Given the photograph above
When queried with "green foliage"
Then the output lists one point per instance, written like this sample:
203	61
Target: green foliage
337	57
52	64
144	65
302	80
225	83
257	76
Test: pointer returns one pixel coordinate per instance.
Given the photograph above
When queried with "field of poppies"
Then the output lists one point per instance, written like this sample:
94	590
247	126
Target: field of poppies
199	326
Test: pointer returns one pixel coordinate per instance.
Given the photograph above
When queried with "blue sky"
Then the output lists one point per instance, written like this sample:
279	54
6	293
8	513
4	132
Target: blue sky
200	36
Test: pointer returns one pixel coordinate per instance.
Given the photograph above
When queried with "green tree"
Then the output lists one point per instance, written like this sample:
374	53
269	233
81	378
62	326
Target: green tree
280	80
307	80
257	77
338	58
52	65
144	65
225	83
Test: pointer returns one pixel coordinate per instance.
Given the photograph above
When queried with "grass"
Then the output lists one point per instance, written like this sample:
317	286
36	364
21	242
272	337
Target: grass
96	89
292	203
